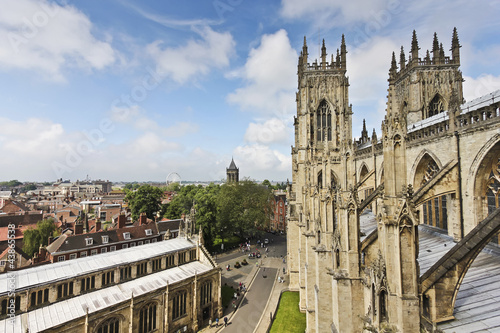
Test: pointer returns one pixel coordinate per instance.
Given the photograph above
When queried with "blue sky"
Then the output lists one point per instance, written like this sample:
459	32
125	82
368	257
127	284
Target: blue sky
129	90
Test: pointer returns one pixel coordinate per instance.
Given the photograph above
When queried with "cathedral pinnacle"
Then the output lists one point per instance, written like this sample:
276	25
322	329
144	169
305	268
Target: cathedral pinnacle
435	49
402	59
414	47
455	47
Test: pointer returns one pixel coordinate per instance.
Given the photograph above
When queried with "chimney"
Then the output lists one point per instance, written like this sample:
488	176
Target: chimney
122	219
78	228
97	225
143	219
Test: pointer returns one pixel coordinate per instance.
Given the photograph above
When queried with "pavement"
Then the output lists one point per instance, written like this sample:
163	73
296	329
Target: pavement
255	308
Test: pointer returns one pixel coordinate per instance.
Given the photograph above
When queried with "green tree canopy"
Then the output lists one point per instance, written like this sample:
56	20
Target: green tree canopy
243	208
146	199
33	238
182	201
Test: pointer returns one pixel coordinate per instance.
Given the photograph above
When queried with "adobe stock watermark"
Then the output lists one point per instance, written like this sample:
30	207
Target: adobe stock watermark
94	138
32	25
379	20
224	6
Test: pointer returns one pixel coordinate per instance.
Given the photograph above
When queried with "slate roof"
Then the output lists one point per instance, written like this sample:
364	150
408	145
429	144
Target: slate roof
232	166
172	225
476	307
78	242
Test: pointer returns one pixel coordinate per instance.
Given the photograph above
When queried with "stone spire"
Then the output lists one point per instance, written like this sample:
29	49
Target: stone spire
414	47
394	67
455	47
343	53
323	55
304	51
402	59
435	49
441	54
364	133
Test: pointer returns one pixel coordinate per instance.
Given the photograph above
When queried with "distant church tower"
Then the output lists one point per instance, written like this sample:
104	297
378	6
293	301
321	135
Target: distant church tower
232	173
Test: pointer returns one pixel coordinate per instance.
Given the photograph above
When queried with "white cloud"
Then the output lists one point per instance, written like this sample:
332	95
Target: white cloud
261	161
368	70
196	57
270	73
482	85
150	143
48	37
137	117
270	131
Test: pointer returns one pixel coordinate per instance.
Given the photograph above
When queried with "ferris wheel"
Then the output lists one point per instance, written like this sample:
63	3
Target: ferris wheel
173	177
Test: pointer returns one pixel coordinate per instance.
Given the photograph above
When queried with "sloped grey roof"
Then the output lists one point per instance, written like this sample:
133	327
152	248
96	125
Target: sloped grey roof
232	166
62	312
476	307
47	274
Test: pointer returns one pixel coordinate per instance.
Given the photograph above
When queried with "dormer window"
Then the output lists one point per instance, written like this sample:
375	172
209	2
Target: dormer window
149	232
105	239
126	235
89	241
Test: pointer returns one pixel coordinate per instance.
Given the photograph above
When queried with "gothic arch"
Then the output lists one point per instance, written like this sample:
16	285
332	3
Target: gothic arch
419	171
478	175
120	318
323	124
363	171
334	180
381	175
487	182
319	179
436	105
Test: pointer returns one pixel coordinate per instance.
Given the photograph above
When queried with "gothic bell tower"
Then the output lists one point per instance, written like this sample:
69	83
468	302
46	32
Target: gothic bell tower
323	214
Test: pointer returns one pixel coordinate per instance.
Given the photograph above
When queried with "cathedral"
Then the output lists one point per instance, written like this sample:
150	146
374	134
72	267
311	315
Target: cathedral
359	209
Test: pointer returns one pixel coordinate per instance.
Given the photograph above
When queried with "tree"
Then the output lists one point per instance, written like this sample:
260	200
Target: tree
243	208
33	238
182	202
146	199
206	211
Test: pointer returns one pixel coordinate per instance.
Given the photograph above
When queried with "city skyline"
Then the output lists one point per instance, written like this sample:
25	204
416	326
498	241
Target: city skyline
131	91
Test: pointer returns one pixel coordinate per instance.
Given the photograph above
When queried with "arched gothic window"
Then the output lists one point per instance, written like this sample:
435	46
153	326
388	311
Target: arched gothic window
112	325
147	318
320	179
493	187
436	106
323	122
383	305
206	293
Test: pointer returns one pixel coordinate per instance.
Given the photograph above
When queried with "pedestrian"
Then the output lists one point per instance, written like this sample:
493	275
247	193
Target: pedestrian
225	321
217	322
210	322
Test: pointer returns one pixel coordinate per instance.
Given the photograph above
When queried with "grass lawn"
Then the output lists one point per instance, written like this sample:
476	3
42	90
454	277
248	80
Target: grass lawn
229	242
227	295
288	318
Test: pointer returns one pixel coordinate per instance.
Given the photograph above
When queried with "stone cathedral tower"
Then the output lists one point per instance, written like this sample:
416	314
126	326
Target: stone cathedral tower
324	209
347	285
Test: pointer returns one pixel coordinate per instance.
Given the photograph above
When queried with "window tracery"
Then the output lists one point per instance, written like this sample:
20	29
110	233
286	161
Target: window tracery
323	123
436	106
